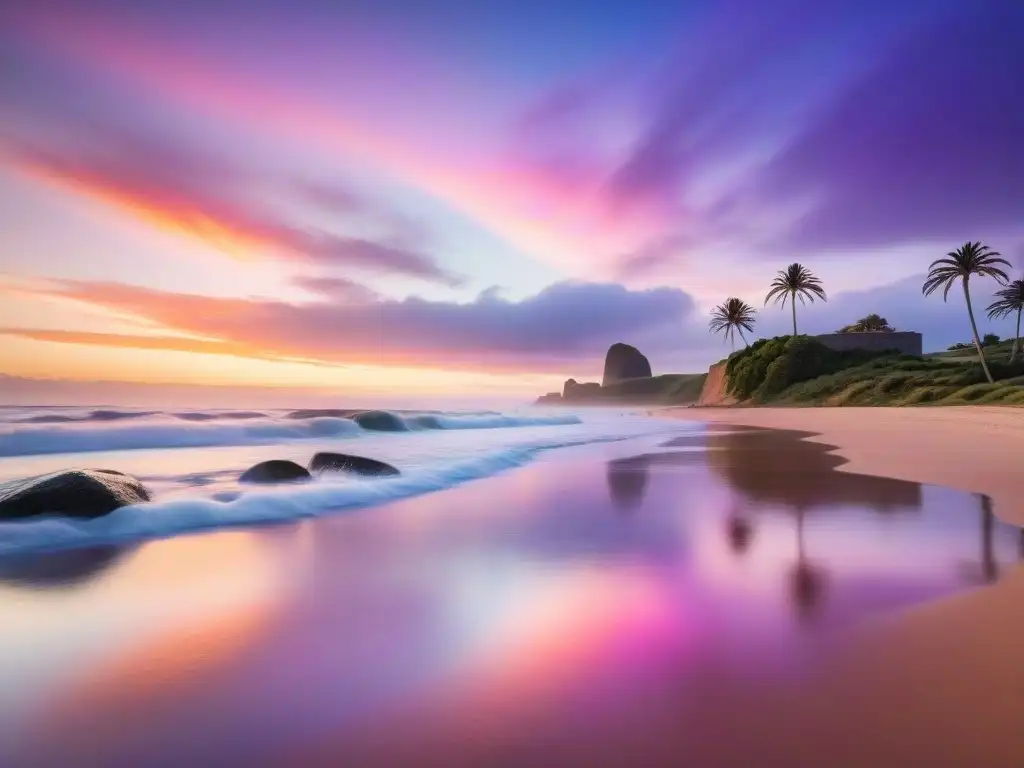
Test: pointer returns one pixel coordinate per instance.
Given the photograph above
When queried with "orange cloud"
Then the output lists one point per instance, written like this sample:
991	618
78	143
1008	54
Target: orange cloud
565	220
562	328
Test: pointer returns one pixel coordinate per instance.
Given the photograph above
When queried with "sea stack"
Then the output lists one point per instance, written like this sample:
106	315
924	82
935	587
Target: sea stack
624	362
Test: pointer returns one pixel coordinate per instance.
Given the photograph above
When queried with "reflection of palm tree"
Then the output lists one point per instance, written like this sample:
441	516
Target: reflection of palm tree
808	581
740	532
989	566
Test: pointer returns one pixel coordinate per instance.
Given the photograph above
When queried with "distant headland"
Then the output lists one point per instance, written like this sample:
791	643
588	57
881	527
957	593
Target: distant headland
628	379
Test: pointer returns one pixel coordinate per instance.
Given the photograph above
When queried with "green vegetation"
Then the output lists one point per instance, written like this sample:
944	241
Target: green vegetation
668	389
801	371
869	324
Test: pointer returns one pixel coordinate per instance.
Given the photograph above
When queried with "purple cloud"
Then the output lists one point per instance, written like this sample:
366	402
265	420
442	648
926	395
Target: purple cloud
565	326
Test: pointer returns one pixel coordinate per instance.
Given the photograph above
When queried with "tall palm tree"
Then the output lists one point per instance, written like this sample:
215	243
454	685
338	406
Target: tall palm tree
969	259
731	317
796	281
1011	299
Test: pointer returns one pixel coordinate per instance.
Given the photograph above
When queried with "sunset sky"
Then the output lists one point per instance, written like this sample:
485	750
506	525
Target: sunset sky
406	199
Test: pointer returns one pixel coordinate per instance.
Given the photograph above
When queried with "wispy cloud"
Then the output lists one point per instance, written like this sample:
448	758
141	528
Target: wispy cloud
182	187
564	326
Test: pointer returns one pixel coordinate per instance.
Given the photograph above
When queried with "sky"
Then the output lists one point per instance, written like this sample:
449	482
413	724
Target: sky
391	201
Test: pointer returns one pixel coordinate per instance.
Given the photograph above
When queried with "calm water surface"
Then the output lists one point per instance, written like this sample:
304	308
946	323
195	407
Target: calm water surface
576	610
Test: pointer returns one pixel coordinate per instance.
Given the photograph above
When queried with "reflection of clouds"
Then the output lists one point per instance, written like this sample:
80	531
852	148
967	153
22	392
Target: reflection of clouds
523	594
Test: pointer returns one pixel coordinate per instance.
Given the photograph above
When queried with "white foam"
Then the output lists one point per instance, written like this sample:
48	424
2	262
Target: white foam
167	432
278	504
34	440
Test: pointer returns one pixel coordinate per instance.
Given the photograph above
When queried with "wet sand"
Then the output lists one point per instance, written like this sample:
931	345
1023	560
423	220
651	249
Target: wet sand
717	598
941	684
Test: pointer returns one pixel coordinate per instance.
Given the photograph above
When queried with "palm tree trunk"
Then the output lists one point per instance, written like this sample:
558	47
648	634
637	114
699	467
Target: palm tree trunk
974	330
792	304
1016	338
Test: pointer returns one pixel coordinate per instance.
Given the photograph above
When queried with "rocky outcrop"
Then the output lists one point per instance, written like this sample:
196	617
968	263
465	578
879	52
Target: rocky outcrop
275	471
85	493
354	465
714	391
577	391
380	421
624	362
551	398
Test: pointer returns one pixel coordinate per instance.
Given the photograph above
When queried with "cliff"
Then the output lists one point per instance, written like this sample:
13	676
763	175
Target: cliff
713	392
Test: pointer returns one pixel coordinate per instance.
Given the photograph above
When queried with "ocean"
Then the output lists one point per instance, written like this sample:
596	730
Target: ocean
190	460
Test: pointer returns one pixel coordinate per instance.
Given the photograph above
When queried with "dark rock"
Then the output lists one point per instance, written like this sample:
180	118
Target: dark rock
549	398
380	421
275	471
568	387
356	465
624	362
73	492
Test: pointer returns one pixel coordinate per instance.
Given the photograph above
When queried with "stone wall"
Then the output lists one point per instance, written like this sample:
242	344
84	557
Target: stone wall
905	342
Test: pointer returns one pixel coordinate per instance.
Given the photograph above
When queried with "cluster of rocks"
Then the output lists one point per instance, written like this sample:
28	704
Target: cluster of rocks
90	493
280	471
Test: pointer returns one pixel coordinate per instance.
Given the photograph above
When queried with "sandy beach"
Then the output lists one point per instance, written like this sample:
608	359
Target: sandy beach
943	683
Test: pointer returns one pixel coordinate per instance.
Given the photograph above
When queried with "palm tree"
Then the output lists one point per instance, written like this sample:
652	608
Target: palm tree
1011	299
732	317
796	281
969	259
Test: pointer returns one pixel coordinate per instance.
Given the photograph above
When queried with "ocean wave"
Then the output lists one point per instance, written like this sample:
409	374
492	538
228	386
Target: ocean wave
237	428
281	504
77	438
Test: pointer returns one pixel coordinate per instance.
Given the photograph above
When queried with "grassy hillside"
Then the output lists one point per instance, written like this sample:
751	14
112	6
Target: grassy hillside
801	371
999	352
675	388
667	389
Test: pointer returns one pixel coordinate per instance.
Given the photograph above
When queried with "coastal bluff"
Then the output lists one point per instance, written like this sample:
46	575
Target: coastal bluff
714	390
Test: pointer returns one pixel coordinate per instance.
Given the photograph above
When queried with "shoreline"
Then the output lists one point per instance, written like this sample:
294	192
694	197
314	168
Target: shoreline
951	668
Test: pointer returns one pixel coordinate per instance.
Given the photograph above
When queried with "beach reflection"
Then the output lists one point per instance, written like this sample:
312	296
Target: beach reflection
627	481
520	620
61	569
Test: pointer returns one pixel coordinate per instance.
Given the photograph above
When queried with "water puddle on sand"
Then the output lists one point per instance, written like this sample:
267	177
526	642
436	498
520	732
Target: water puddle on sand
642	609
